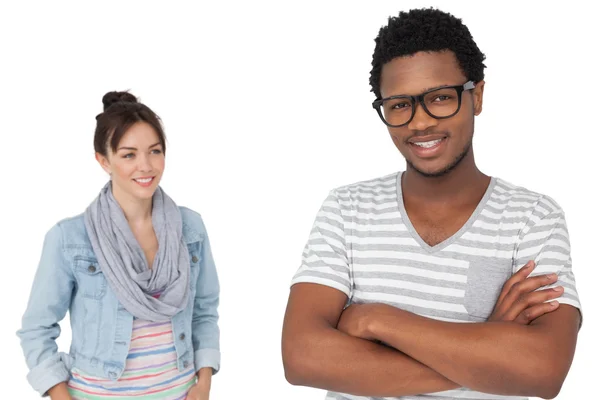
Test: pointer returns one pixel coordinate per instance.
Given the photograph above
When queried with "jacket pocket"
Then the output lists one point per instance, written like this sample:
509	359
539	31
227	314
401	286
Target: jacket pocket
91	280
485	280
195	260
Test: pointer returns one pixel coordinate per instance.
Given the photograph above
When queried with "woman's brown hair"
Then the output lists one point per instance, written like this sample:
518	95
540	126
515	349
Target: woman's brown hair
121	111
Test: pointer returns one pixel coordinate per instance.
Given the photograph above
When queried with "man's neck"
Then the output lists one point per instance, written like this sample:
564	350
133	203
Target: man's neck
462	183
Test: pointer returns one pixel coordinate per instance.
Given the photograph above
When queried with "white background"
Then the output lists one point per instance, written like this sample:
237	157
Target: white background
266	108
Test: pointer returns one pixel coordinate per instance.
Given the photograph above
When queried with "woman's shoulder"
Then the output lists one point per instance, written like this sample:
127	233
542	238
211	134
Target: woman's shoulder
193	226
72	230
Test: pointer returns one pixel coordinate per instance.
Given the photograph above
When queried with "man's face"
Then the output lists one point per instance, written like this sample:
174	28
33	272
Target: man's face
449	139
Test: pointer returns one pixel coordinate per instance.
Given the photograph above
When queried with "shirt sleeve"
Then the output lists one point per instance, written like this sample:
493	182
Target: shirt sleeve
545	240
325	259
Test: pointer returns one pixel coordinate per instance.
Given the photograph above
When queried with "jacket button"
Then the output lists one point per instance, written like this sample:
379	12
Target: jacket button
91	269
186	364
182	336
194	259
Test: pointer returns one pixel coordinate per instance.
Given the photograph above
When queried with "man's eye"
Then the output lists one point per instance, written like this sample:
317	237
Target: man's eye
400	105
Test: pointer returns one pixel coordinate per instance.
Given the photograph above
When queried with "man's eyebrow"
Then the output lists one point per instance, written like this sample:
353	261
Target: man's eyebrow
423	90
434	87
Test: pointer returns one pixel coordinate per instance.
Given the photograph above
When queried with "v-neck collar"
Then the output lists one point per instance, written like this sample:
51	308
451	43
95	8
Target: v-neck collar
440	246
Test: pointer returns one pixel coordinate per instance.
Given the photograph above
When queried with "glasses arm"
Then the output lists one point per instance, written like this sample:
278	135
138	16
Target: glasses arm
469	85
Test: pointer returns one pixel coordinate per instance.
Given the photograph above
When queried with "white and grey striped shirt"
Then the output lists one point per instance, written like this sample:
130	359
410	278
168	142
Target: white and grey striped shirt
363	244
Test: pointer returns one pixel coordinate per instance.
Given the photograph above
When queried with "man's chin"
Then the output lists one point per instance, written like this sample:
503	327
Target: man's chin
431	171
441	169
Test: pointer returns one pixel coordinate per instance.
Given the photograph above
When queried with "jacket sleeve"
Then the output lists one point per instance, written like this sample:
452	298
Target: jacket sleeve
49	301
205	328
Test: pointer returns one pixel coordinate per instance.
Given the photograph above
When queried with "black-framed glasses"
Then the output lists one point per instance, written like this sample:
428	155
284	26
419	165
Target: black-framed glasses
442	102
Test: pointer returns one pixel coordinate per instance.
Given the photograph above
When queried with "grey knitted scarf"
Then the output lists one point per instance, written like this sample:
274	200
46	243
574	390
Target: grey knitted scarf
123	263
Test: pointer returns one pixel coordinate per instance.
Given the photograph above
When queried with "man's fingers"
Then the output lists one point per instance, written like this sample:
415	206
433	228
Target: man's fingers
531	299
519	289
518	276
534	282
536	311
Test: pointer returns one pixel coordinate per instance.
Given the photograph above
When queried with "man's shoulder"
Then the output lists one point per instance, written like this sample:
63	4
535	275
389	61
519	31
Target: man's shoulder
381	186
513	196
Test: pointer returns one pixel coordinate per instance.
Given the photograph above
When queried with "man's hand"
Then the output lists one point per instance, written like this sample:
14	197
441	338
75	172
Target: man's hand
355	319
520	302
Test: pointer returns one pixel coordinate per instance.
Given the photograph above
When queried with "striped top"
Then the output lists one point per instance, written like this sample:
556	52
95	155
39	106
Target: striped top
363	244
150	369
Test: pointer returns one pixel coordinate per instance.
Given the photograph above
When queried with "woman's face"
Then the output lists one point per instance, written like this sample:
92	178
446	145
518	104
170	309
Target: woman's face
137	166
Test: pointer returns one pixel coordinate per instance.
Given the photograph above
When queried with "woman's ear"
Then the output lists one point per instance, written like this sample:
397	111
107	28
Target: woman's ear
104	163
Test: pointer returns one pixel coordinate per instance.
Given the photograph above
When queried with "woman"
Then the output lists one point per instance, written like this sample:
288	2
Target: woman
136	274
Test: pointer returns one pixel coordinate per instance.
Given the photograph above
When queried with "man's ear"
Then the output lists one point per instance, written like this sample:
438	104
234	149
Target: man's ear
478	97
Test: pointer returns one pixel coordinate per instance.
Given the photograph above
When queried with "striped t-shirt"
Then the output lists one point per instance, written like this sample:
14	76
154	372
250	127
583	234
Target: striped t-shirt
363	244
150	370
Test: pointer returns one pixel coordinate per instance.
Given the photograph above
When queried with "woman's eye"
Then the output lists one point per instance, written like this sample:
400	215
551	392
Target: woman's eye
156	151
128	155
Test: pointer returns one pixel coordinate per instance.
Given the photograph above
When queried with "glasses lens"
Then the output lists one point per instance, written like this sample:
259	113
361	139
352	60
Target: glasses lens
397	111
442	103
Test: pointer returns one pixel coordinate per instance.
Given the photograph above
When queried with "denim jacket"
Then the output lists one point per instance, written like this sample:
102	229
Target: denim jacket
69	278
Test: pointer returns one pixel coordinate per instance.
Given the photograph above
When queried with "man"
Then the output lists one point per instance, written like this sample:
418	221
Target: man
395	266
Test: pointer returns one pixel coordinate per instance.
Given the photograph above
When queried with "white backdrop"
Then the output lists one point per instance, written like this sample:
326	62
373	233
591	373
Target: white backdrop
267	107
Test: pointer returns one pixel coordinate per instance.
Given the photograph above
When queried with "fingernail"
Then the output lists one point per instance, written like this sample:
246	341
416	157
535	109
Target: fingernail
551	276
557	289
528	265
554	303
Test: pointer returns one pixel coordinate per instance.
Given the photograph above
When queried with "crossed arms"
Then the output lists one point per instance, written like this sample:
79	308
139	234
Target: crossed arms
525	348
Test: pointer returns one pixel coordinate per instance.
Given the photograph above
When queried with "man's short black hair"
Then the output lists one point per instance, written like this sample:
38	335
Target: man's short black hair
426	29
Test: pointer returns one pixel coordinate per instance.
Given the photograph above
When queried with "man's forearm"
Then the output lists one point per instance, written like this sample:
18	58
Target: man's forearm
331	360
493	357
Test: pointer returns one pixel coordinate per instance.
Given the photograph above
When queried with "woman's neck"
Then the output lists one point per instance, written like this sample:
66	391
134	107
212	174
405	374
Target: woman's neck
137	211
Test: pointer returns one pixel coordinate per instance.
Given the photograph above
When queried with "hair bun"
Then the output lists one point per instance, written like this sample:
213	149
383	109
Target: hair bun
111	98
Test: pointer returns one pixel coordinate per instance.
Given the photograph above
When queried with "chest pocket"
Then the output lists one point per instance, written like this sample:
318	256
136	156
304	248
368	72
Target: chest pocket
485	280
91	280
